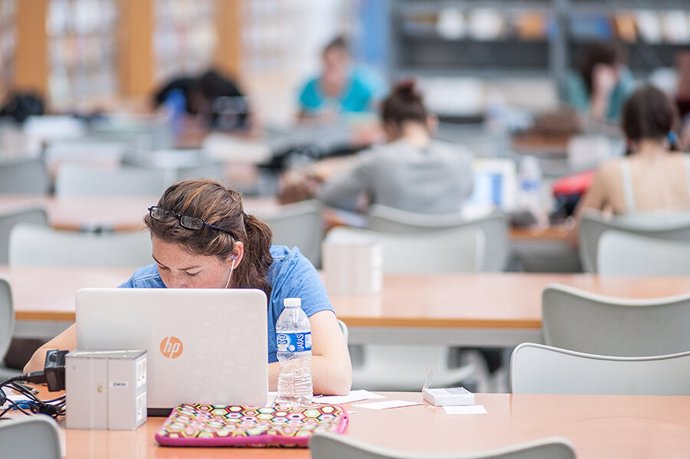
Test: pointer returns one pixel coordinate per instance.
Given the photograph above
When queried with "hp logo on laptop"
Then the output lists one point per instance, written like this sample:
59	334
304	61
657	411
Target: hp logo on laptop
171	347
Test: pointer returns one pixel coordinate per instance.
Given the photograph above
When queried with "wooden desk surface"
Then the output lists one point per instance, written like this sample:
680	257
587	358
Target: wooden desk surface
123	213
597	426
498	300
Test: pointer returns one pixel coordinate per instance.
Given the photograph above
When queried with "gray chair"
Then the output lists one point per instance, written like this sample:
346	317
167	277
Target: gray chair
326	445
298	225
344	329
26	176
83	180
494	226
35	437
541	369
625	254
6	327
404	367
8	219
596	324
39	246
672	227
212	170
460	249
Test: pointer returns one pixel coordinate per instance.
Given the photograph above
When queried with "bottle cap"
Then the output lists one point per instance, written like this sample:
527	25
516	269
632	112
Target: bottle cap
292	302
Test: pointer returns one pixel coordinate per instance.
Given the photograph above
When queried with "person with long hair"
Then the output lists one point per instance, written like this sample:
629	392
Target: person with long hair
653	177
601	83
202	238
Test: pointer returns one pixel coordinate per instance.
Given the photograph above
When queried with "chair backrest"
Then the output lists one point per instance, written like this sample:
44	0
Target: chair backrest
32	215
327	445
83	180
625	254
541	369
596	324
38	246
593	225
213	171
26	176
344	329
36	437
299	224
452	250
6	317
494	226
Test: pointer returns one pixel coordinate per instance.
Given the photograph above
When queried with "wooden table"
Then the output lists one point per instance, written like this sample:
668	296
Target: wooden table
491	309
597	426
123	213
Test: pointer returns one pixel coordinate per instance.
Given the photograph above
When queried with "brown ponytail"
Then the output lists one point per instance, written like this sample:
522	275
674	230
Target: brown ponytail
257	255
221	207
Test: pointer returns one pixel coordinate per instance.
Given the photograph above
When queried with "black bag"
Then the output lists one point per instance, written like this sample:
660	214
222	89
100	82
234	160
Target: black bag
19	105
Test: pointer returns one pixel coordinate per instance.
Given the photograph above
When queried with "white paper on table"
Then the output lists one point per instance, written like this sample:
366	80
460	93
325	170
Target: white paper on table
352	396
468	409
387	404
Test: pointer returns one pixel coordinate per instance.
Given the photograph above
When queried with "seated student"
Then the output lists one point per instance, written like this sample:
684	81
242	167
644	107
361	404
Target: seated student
601	84
212	97
340	88
652	178
412	172
201	238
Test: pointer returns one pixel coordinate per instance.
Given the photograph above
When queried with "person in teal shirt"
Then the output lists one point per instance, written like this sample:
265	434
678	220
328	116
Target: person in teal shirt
602	84
340	88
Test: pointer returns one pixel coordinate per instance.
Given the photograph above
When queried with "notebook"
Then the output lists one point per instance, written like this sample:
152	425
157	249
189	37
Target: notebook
204	345
236	425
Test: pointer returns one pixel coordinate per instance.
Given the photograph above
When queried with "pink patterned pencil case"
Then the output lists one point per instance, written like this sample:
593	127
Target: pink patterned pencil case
233	425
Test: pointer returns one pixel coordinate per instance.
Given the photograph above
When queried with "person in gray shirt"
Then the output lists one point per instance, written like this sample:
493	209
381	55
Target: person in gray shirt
411	172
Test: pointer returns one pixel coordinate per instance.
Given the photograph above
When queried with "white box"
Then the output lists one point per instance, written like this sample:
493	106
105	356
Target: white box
452	396
105	389
352	265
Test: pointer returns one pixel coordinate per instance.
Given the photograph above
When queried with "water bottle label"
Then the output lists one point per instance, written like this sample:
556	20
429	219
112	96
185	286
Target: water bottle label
294	342
529	185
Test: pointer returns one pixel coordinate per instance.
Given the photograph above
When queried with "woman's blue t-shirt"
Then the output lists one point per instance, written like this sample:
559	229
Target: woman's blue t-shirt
291	276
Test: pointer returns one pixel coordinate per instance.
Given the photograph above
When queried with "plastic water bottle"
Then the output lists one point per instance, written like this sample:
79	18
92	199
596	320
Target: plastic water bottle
294	354
530	178
175	106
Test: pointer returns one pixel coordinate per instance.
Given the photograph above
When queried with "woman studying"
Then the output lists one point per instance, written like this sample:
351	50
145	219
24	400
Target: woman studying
202	238
653	177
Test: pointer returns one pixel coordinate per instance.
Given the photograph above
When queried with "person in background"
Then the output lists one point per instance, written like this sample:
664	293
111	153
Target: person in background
653	177
411	172
212	97
601	84
19	105
202	238
340	88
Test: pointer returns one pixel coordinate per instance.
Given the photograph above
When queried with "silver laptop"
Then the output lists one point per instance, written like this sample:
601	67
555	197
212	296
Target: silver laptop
204	345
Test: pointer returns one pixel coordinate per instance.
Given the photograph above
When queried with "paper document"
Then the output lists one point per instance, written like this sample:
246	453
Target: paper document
353	396
468	409
387	404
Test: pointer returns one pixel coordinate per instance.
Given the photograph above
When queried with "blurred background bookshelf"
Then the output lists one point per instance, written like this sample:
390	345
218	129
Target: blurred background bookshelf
105	53
531	38
8	37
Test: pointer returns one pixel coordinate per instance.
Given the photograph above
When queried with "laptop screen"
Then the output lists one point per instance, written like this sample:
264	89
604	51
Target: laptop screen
495	185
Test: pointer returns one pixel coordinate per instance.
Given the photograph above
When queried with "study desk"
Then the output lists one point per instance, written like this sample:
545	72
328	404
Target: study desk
121	213
489	309
597	426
